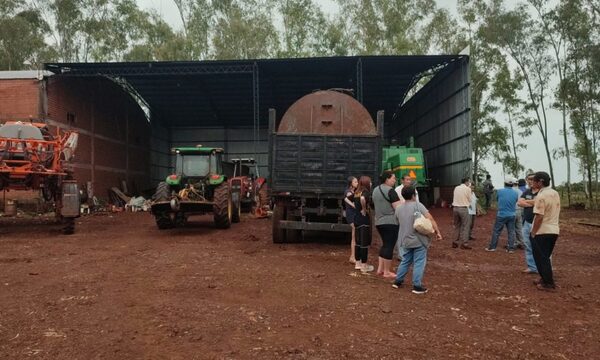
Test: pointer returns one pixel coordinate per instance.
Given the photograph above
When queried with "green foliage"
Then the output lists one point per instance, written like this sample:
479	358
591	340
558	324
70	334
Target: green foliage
22	31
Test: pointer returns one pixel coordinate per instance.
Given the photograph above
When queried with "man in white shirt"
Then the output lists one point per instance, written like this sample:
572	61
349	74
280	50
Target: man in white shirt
406	181
460	209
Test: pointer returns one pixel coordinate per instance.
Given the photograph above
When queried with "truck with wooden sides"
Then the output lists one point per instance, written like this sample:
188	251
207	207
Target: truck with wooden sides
322	139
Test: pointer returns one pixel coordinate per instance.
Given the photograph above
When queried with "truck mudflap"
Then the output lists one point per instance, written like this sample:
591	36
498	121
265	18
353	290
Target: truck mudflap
314	226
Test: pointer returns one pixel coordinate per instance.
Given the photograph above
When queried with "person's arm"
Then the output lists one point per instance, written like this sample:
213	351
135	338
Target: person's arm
539	210
435	226
525	203
363	205
348	202
537	223
394	199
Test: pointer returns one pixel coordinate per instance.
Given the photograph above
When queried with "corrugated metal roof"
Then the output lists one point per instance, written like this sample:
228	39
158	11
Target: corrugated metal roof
24	74
211	93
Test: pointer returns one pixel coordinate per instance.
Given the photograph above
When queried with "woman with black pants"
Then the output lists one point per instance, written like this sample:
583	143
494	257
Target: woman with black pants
385	200
350	210
362	224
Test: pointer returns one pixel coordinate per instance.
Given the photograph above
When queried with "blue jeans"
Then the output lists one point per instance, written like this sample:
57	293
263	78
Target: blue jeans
528	250
418	258
501	221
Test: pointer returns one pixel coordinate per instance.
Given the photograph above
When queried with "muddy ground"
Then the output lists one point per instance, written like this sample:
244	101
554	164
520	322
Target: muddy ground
121	289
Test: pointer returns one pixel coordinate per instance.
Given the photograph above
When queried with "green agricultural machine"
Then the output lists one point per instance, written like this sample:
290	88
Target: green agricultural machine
197	187
408	160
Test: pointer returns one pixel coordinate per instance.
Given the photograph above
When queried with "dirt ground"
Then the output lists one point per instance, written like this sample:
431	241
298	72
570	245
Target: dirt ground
121	289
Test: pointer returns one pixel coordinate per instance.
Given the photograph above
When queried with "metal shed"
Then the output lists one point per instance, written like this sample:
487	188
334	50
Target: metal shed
225	103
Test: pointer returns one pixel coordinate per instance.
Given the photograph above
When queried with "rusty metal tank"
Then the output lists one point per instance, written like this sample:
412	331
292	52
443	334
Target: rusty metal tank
327	112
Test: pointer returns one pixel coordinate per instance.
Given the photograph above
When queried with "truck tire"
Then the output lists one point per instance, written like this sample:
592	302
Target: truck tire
237	207
163	193
279	213
222	208
293	236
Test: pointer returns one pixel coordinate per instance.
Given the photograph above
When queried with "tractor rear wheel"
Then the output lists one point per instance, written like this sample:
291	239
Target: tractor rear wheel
163	193
222	208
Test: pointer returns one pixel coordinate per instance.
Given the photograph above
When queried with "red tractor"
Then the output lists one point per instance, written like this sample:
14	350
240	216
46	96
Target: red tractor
32	158
253	191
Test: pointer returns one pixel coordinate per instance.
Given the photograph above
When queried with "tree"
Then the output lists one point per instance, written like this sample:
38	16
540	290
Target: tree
488	135
197	17
243	30
505	91
387	27
553	34
581	85
513	32
22	32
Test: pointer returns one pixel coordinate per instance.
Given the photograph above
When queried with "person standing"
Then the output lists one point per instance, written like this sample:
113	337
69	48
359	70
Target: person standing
406	180
460	211
413	244
488	190
518	217
507	200
362	223
522	185
385	201
527	201
472	211
350	210
545	229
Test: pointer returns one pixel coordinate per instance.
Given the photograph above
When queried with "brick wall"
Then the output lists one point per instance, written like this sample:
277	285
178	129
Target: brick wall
114	135
19	99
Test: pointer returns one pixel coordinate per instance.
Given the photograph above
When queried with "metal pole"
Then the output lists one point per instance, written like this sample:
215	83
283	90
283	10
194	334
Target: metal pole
256	104
359	81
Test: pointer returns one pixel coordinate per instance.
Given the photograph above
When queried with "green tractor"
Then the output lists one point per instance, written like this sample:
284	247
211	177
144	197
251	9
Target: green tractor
409	160
197	187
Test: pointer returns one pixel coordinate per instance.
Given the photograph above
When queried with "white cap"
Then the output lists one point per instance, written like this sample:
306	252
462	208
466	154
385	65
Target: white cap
508	180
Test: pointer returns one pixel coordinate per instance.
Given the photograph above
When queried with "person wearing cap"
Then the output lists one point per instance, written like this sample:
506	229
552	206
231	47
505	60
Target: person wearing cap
518	216
460	211
545	228
522	185
505	216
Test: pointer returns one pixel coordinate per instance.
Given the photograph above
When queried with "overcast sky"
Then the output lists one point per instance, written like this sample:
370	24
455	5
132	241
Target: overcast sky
534	157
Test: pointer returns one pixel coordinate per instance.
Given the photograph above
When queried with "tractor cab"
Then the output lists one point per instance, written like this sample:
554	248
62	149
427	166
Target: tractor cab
195	165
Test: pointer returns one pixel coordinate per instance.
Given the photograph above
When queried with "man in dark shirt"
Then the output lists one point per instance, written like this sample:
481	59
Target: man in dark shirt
488	191
526	202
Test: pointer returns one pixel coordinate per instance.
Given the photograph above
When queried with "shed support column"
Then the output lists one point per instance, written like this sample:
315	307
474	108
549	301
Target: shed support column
256	104
127	148
359	81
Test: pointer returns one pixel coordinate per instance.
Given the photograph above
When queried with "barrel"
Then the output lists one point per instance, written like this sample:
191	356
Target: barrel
10	208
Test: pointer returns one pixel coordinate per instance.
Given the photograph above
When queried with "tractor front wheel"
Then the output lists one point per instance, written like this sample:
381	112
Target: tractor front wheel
68	226
222	208
164	221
